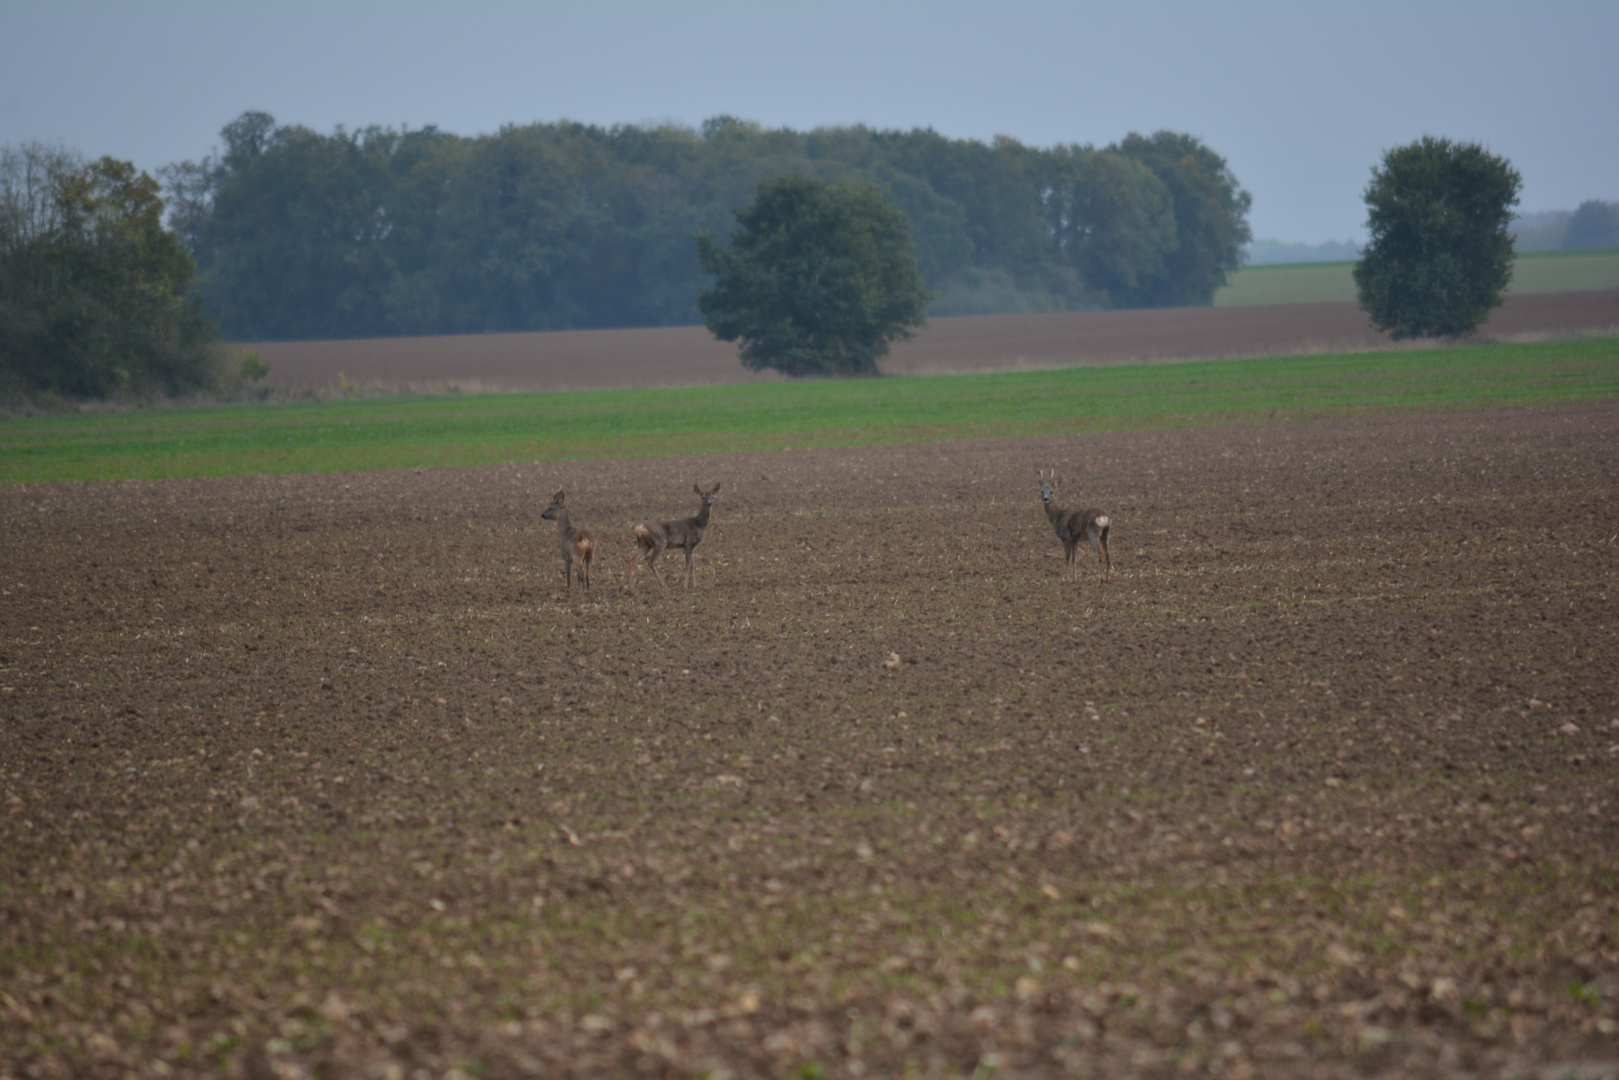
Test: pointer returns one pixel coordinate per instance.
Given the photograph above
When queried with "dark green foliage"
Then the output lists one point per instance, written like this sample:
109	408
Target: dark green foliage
559	226
1211	220
93	289
817	280
1440	255
1594	224
377	232
1113	222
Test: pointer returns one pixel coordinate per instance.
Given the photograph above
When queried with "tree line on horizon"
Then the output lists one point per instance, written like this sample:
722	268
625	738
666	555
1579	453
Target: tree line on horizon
851	235
549	226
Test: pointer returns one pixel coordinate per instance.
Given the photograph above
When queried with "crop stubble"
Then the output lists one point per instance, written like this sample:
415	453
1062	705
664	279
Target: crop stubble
326	772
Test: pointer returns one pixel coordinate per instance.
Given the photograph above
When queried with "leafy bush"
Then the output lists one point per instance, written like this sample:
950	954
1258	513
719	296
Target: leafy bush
250	368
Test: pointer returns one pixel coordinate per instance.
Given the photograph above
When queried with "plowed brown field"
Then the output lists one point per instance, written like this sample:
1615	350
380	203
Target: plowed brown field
690	356
327	776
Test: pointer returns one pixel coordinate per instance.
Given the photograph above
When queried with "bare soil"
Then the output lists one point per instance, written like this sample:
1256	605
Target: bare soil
328	776
690	356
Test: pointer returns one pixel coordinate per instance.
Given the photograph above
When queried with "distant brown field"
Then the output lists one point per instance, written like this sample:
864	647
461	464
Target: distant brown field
689	355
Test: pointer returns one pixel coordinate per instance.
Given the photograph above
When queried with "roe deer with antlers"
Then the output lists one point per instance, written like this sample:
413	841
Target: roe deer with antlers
576	544
653	538
1074	525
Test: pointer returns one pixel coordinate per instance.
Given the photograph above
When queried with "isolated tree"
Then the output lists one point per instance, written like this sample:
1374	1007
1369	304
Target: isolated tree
1440	255
1594	224
94	292
818	280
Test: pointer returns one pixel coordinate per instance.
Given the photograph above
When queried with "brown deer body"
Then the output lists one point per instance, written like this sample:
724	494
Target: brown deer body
1074	525
653	538
576	544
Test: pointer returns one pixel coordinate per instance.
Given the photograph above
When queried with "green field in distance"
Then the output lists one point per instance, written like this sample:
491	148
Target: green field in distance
1302	283
405	432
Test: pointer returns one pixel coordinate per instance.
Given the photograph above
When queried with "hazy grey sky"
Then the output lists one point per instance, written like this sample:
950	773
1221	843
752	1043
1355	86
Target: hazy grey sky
1301	98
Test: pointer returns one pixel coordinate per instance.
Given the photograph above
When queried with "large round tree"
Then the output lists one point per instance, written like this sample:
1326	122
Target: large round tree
1440	255
818	279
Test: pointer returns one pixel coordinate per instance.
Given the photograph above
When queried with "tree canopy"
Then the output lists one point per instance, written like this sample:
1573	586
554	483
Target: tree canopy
1440	254
377	231
93	290
818	279
1210	215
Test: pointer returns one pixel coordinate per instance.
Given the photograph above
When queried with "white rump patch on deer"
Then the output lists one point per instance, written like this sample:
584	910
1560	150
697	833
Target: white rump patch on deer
1074	526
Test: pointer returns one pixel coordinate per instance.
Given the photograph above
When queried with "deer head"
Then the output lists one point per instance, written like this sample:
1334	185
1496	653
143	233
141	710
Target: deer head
708	496
557	502
1048	486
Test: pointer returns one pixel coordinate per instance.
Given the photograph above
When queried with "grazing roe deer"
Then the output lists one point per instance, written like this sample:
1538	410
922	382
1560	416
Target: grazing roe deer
1071	525
576	544
653	538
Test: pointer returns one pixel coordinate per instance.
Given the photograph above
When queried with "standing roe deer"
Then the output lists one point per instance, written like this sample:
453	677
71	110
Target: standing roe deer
654	537
576	544
1071	525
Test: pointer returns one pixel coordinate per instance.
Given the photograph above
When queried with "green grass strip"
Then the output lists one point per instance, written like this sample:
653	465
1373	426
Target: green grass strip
1299	283
409	432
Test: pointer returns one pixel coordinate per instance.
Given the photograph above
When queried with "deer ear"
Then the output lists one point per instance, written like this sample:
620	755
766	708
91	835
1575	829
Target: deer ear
716	490
557	497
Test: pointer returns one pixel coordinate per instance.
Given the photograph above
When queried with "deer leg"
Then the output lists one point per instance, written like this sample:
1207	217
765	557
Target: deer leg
1107	558
1098	538
635	557
654	557
691	578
